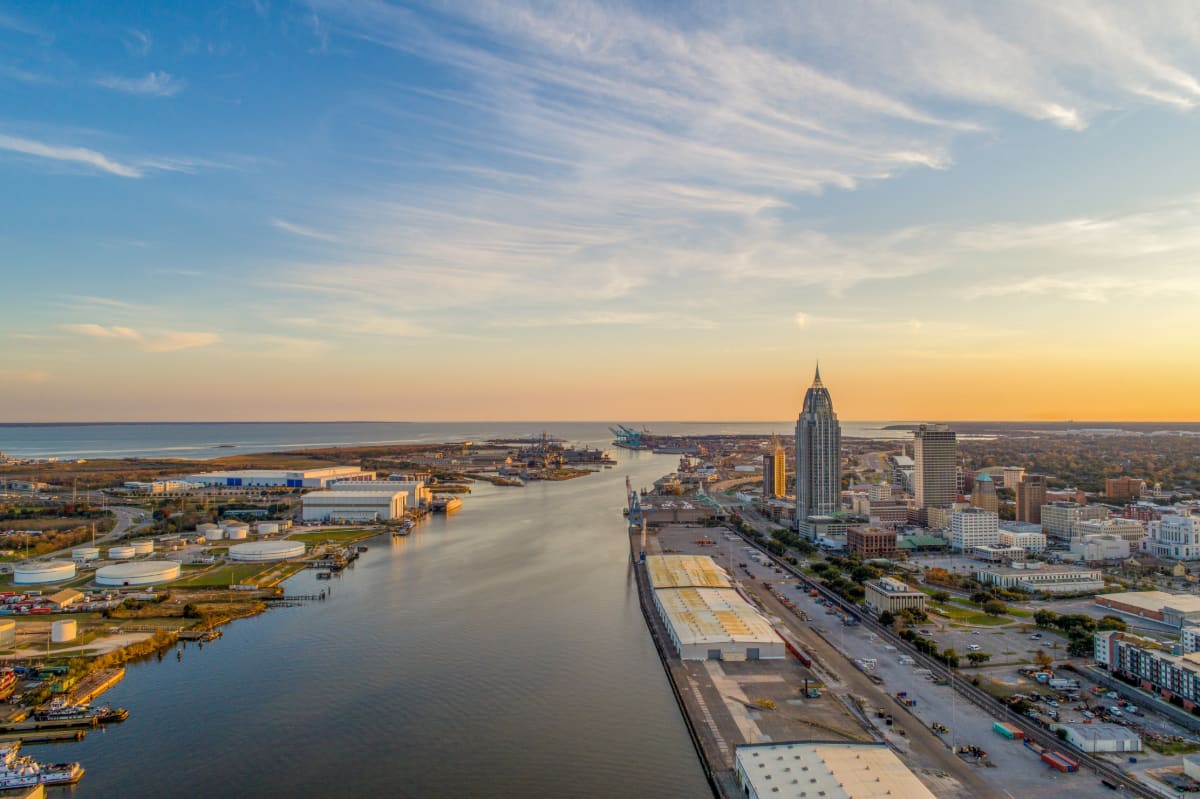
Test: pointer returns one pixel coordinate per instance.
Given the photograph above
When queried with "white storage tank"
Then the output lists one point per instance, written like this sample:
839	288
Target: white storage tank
262	551
85	553
48	571
268	528
143	546
235	529
63	631
208	530
143	572
121	552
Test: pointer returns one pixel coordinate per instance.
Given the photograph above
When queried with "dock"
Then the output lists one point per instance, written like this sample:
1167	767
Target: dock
43	736
95	684
24	729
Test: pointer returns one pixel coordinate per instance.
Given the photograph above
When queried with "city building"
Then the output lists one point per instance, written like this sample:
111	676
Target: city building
1173	610
936	518
1131	530
353	506
1012	476
273	478
716	624
1152	665
416	490
1124	488
1174	538
871	542
998	554
685	571
818	454
775	472
935	450
903	468
1039	578
1142	512
1189	637
889	512
1031	496
879	492
973	527
1059	519
893	596
1100	548
824	769
158	486
1033	542
983	494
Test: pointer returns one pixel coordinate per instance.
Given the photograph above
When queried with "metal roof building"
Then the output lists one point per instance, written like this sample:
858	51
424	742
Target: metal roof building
1102	738
832	770
685	571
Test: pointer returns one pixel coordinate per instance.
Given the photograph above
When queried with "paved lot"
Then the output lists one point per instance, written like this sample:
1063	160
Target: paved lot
1015	770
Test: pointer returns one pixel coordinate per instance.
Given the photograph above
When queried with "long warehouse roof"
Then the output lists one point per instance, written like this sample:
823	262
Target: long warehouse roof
685	571
831	770
713	615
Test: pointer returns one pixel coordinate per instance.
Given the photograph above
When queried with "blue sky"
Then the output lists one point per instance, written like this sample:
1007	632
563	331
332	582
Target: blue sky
521	210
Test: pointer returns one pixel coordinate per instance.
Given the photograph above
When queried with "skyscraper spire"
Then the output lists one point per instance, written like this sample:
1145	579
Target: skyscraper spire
817	375
818	455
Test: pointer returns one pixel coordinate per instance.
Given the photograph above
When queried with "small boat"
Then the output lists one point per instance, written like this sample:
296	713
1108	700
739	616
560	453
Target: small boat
22	771
61	710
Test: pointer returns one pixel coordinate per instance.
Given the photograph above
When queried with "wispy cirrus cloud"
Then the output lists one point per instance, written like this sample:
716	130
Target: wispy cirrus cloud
152	341
301	230
153	84
77	155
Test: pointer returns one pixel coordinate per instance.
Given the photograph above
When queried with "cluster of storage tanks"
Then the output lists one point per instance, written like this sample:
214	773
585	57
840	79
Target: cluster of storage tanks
232	530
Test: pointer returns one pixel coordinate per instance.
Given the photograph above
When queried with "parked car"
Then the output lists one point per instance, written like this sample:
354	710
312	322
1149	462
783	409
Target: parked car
974	648
1111	694
1116	711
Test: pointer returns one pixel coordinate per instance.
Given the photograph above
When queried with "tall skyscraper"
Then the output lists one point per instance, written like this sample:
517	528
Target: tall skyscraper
818	454
983	495
775	472
1031	496
935	478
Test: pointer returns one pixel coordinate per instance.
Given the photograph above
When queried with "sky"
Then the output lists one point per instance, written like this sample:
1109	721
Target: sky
324	210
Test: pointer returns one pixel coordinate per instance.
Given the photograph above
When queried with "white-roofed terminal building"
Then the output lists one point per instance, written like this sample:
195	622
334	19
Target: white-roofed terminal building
353	506
705	617
415	490
832	770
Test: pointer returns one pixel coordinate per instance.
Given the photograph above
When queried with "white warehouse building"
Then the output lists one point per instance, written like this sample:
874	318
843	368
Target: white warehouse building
279	478
415	489
354	506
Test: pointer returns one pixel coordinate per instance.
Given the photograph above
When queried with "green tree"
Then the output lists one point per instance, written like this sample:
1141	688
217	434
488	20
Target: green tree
1112	623
940	596
887	618
994	607
1044	618
978	658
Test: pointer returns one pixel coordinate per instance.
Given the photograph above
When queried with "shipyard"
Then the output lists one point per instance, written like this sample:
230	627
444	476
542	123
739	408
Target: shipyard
114	570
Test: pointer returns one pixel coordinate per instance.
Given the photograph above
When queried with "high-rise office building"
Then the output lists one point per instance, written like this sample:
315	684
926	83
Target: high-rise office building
775	473
1031	496
818	454
983	495
935	478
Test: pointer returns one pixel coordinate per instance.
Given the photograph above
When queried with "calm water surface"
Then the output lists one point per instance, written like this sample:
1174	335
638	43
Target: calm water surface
497	653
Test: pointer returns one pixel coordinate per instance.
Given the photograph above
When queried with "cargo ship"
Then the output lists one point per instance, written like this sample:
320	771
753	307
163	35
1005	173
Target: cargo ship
21	771
446	504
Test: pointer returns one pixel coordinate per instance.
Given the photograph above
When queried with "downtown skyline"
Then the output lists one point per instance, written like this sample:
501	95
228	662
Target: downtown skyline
598	211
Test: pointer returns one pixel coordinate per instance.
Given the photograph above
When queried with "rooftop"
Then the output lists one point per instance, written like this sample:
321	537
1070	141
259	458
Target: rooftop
685	571
1157	600
1103	732
713	615
829	770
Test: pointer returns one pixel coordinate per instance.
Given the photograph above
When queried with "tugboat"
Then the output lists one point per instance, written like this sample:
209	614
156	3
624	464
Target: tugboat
21	771
61	710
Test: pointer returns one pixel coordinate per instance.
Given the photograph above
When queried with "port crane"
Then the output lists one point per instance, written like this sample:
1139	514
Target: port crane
628	437
636	515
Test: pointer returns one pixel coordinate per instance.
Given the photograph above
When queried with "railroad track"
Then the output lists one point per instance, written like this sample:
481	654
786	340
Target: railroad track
971	693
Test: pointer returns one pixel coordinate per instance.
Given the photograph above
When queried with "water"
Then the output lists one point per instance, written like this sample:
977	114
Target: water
498	653
201	439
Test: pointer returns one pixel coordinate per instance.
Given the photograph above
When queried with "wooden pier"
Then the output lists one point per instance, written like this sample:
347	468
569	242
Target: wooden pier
95	684
43	736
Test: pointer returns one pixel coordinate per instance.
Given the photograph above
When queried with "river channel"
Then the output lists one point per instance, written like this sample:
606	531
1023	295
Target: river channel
499	652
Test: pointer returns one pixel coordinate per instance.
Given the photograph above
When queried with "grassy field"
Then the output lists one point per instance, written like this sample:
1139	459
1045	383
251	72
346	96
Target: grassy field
965	616
337	536
221	576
